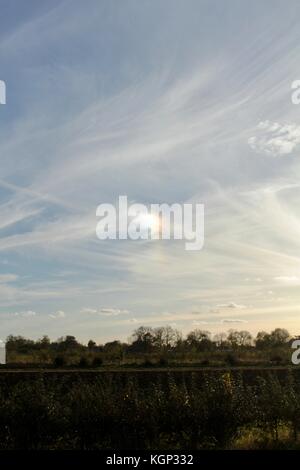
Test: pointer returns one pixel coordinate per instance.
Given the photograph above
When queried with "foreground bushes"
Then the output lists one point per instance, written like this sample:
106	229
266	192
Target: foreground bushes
123	414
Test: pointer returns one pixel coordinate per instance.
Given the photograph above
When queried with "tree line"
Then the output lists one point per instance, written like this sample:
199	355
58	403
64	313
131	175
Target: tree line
162	339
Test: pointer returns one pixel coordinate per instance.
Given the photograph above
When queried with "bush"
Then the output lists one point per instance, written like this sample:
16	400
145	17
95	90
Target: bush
97	362
59	361
205	362
83	362
276	359
163	362
231	360
150	410
147	363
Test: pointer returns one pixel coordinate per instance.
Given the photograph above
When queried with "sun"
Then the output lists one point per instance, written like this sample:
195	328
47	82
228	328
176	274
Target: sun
149	222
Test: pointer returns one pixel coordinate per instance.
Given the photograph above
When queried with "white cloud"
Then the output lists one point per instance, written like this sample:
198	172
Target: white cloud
275	139
25	314
107	312
233	320
230	305
8	278
213	310
201	323
58	314
170	119
218	322
287	279
112	312
88	310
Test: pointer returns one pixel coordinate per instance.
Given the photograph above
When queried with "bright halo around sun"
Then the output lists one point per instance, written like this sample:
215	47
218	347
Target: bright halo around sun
149	222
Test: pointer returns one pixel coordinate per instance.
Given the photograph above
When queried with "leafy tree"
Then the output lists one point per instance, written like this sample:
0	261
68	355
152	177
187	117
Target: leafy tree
19	344
142	340
279	337
166	337
220	339
91	344
199	340
44	342
263	340
239	338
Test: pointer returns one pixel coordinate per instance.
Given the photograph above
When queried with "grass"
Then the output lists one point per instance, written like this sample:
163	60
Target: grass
149	409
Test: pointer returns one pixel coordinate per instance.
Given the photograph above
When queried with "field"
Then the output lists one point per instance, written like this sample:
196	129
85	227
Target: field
159	391
235	408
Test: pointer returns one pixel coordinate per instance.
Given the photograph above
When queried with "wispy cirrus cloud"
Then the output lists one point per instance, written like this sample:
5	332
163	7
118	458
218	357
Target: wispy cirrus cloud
152	122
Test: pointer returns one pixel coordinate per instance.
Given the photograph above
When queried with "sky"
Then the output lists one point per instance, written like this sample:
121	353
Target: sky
165	102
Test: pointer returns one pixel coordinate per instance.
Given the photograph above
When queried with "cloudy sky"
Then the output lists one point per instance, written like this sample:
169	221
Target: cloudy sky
163	102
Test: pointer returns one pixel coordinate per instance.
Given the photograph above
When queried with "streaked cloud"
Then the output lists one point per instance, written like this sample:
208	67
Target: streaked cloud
149	120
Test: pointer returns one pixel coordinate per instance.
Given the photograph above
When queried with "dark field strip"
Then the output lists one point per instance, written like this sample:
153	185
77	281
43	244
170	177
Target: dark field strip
145	376
166	408
124	370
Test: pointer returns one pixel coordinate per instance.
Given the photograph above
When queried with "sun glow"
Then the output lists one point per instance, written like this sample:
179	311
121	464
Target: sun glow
149	222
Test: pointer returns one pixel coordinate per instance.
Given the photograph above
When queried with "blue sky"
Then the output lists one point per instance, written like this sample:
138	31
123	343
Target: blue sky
164	102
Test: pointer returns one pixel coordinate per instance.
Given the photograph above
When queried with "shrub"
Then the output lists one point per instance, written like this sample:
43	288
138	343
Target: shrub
97	362
205	362
163	362
83	362
231	360
59	361
277	359
147	363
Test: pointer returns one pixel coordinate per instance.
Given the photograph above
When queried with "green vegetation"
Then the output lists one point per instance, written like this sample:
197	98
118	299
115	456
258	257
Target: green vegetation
158	410
156	347
158	391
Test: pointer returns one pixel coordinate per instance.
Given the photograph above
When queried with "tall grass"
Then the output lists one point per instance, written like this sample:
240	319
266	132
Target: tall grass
220	411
